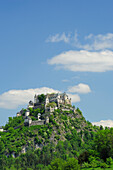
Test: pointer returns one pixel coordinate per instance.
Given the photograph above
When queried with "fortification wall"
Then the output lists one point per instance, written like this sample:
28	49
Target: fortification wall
37	122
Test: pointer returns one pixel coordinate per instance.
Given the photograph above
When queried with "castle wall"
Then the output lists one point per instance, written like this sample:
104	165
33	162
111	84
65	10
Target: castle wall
37	106
65	109
37	122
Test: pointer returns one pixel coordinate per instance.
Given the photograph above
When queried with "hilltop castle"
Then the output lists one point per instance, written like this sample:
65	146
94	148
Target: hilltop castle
58	100
50	102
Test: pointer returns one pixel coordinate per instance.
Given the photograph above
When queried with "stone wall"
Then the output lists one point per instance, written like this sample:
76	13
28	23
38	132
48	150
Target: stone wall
37	105
65	109
37	122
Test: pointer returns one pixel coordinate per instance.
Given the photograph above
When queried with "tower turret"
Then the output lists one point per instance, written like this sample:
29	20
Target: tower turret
46	100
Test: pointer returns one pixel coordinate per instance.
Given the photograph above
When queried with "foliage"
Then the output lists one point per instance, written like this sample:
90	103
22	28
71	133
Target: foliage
109	161
104	143
13	122
69	164
52	104
41	98
68	141
78	110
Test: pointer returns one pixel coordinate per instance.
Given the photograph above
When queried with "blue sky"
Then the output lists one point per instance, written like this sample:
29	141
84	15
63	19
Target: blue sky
57	45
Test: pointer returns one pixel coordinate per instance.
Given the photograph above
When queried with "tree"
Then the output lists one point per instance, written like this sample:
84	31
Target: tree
3	162
11	130
104	143
41	98
109	161
83	157
2	148
71	164
10	162
57	164
17	163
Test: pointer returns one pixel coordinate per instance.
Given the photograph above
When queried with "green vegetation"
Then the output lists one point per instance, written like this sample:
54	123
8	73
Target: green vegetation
67	142
52	104
41	98
13	122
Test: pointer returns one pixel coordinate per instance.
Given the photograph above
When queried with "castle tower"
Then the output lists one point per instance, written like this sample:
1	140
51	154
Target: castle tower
70	100
31	104
35	99
27	121
65	96
58	102
39	115
47	120
46	100
27	113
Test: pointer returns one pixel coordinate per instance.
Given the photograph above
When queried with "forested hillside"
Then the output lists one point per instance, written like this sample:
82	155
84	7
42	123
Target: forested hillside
68	141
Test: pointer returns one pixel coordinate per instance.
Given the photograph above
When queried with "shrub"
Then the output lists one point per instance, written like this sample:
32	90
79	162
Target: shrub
109	161
78	110
52	104
103	165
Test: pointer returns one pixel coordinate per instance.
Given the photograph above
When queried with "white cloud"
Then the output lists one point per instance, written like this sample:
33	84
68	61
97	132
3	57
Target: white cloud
80	88
58	38
14	98
74	97
84	61
99	42
90	42
104	123
65	80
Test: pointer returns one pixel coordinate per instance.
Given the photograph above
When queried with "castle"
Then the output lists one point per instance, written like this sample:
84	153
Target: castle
57	98
50	103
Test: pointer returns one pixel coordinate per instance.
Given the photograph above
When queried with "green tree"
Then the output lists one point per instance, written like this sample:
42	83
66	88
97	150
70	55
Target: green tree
104	143
2	147
71	164
57	164
17	163
3	162
41	98
83	157
109	161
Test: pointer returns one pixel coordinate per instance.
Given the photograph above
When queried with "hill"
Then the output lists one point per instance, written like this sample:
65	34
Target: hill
52	133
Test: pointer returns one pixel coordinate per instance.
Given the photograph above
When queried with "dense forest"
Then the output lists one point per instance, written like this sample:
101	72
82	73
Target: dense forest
67	142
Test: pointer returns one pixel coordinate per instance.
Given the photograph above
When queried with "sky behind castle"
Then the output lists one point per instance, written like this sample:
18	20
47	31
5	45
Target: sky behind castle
48	46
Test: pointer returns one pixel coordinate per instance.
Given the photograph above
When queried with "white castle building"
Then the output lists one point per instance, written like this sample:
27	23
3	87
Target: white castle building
49	102
59	99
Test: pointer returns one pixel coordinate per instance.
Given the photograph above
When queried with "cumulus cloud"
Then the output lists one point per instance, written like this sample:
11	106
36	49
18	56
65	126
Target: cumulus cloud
14	98
58	38
80	88
104	123
84	61
74	98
